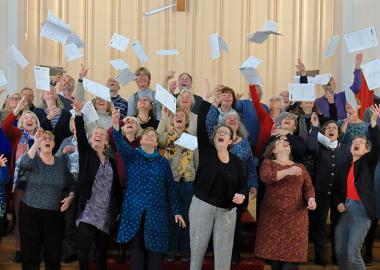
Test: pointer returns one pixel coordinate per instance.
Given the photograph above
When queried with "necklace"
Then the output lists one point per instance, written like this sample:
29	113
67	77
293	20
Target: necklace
142	121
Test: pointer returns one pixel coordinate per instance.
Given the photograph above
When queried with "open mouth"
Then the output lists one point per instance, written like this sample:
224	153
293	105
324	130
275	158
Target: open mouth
220	139
331	135
129	126
179	121
356	148
47	145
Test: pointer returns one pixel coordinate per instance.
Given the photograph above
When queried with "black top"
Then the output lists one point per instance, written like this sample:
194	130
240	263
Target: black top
327	163
89	163
153	122
216	183
297	146
364	174
67	103
61	129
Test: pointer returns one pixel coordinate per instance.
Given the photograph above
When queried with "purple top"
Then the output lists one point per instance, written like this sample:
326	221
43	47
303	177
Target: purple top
340	98
96	211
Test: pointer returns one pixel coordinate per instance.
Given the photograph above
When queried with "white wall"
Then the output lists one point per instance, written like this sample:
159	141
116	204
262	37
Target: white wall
11	32
350	16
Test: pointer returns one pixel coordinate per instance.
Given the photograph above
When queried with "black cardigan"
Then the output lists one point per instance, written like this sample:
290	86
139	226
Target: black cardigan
364	172
62	128
327	163
89	163
208	158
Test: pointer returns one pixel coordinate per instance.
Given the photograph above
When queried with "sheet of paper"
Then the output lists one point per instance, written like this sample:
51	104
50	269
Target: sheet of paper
167	52
258	37
371	71
251	62
216	44
54	32
322	79
324	140
350	97
187	141
296	79
166	98
97	89
125	76
301	91
360	40
18	57
119	42
3	97
72	52
89	112
3	79
139	51
57	21
251	75
331	48
119	64
270	26
41	75
157	10
74	38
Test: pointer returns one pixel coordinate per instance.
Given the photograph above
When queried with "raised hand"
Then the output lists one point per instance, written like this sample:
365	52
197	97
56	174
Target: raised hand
77	106
115	118
301	67
239	96
358	60
314	120
207	92
375	109
169	75
53	112
280	132
83	71
3	161
20	106
38	136
165	112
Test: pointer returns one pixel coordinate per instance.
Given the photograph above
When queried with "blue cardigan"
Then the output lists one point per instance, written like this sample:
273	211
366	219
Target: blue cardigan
150	189
4	178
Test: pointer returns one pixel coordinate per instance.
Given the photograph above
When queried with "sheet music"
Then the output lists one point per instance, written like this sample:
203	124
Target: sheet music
41	75
166	98
360	40
371	71
301	91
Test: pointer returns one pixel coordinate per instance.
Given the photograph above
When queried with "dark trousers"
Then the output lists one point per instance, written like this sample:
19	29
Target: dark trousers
318	219
87	235
40	229
279	265
71	234
237	234
141	257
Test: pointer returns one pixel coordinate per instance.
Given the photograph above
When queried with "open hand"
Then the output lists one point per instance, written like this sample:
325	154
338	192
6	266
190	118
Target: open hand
3	161
181	222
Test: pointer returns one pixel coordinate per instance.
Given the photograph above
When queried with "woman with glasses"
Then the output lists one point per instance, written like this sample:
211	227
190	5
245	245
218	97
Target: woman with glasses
48	192
145	112
220	186
282	230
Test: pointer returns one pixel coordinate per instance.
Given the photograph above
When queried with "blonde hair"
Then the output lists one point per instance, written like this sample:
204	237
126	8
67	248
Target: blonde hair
20	123
109	104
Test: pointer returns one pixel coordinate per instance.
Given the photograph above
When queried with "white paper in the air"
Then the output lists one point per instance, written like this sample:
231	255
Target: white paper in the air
125	76
57	21
157	10
216	44
269	28
89	112
322	79
119	64
17	56
187	141
371	71
167	52
97	89
360	40
301	91
331	48
72	52
3	79
350	97
41	75
139	51
251	62
251	75
166	98
54	32
119	42
74	38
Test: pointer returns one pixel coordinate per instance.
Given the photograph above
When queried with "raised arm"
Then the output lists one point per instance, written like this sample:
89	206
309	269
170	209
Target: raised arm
374	135
261	113
79	95
203	139
212	119
355	87
12	132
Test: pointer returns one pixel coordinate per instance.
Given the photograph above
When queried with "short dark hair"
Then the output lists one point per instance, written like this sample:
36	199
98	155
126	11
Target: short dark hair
226	89
368	144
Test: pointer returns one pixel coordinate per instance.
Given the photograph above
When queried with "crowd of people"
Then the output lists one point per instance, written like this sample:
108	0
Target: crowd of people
74	184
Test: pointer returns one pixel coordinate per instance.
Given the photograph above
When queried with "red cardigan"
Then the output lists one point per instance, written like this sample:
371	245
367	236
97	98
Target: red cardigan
265	121
13	134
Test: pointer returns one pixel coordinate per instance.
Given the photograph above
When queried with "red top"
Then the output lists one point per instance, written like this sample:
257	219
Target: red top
13	134
352	194
265	121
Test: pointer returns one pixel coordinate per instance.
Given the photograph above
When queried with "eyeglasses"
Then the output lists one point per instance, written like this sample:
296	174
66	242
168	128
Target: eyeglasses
47	138
222	132
130	121
274	99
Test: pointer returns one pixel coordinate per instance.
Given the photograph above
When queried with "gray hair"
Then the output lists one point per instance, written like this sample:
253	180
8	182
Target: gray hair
185	90
242	131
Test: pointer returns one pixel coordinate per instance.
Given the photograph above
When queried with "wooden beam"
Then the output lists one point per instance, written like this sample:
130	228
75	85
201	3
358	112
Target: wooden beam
181	5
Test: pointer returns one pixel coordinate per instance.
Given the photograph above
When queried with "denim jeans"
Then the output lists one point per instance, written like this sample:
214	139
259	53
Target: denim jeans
179	239
350	232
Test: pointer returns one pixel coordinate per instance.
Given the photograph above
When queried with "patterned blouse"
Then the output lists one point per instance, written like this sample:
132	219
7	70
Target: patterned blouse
353	130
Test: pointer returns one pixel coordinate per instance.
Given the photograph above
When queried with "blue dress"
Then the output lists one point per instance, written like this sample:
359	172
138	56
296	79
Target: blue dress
151	190
242	149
